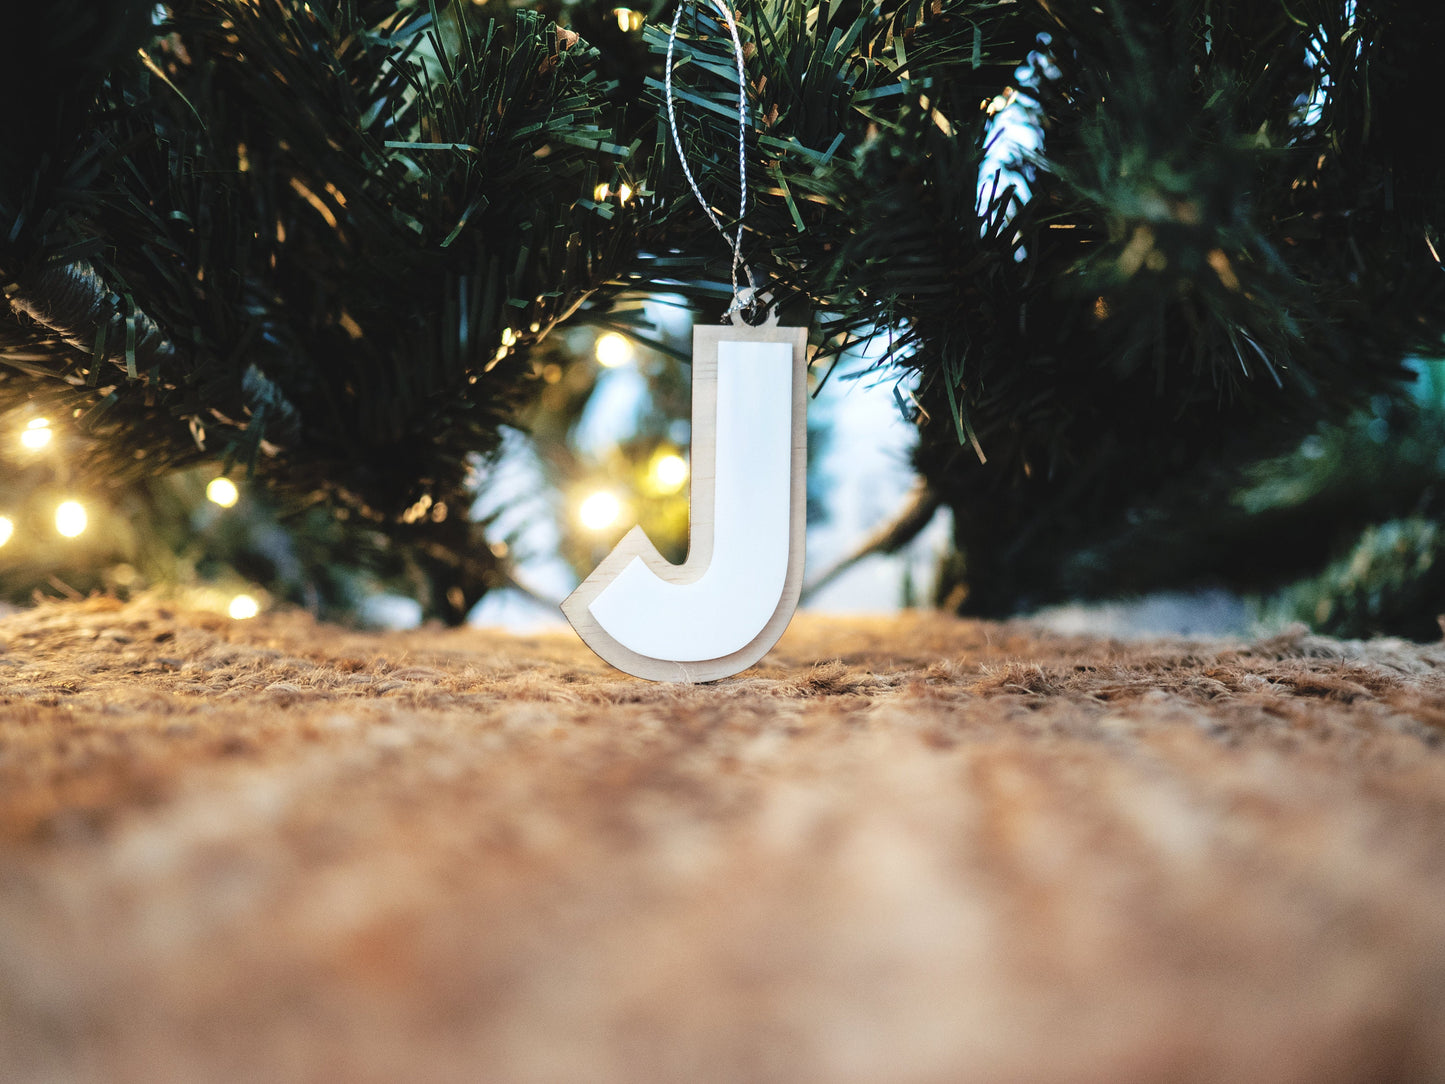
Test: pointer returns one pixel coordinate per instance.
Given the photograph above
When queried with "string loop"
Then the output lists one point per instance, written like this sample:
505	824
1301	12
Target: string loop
744	297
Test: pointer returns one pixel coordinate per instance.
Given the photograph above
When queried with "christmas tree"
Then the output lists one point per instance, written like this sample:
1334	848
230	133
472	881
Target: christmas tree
1136	265
1221	235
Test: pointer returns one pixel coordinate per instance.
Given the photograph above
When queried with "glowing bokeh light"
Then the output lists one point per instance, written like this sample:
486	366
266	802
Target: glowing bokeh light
7	529
70	518
613	350
669	472
36	434
243	607
599	511
222	491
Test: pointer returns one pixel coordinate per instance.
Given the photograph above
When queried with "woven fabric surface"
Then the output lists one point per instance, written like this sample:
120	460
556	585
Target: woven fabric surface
906	849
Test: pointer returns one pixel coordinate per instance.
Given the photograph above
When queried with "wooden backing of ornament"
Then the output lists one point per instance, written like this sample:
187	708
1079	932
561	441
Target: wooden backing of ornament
706	339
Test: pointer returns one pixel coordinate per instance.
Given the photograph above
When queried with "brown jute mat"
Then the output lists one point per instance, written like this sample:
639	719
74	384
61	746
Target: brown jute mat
900	850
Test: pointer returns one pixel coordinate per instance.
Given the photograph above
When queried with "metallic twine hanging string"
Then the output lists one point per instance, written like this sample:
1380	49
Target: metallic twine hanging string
743	297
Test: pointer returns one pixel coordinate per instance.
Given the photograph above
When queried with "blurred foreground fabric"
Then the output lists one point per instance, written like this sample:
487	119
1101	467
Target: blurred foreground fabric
910	849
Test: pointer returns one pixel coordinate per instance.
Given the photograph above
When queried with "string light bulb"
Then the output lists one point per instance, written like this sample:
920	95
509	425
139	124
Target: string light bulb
613	350
7	529
629	20
70	518
668	473
222	491
36	434
243	607
599	511
623	192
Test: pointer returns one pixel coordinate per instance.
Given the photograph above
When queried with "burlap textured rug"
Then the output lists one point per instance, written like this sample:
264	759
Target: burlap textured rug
897	851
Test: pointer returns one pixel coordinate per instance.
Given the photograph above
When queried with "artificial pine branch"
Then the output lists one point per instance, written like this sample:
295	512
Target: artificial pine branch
315	237
902	527
1205	268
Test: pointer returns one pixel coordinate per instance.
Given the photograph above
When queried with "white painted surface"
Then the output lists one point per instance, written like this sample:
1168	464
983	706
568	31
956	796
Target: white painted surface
731	602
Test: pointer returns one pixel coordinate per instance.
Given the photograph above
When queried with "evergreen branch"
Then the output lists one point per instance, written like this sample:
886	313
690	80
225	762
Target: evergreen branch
73	301
302	276
901	528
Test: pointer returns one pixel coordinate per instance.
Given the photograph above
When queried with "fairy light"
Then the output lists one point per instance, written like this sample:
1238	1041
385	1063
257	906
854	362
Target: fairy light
70	518
600	511
623	192
668	473
629	20
243	607
7	529
222	491
613	350
36	434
